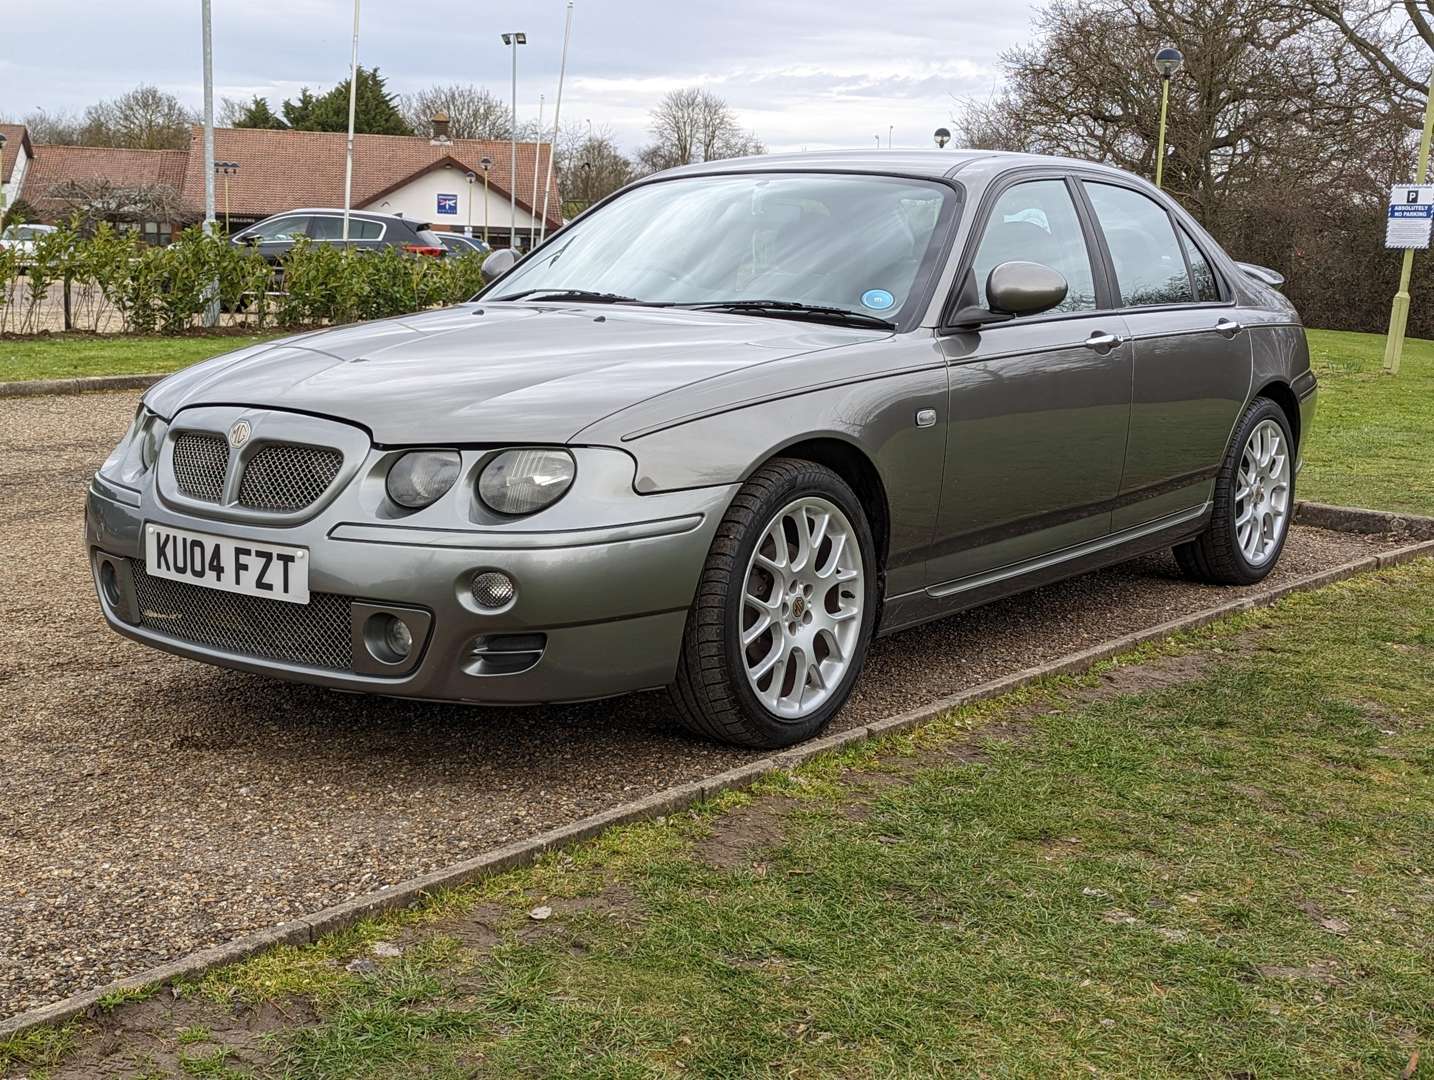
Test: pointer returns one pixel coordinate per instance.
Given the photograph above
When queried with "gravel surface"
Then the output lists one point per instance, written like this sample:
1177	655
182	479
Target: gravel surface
150	806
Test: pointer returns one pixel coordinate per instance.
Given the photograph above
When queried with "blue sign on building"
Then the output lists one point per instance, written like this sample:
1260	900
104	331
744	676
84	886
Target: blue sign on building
448	204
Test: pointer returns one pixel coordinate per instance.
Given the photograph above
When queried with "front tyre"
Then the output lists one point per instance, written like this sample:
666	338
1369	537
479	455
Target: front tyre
784	610
1254	503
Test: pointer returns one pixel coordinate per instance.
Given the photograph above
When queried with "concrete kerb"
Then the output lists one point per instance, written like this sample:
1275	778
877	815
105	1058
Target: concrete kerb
675	799
91	384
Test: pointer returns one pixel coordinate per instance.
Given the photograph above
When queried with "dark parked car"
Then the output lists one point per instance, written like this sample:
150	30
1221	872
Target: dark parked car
459	244
275	236
715	435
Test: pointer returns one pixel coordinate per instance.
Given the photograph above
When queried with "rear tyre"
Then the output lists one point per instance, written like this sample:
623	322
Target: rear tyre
1254	503
784	612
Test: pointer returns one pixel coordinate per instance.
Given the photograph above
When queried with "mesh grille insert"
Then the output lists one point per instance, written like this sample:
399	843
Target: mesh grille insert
316	634
287	476
200	462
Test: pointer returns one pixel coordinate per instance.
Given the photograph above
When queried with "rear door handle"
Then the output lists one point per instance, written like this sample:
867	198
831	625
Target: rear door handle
1101	342
1227	327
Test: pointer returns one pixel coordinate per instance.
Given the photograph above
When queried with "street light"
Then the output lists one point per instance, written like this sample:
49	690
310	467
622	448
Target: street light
1167	62
513	40
889	129
226	169
485	165
472	179
2	186
942	136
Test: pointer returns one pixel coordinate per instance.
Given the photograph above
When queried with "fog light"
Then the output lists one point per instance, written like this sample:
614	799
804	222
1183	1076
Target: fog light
109	583
397	637
388	639
493	590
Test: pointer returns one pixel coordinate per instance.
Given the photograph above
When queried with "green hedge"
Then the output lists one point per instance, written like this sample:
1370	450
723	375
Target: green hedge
168	289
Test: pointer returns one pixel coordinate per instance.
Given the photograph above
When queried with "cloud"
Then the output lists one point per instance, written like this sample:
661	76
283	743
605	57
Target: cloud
812	73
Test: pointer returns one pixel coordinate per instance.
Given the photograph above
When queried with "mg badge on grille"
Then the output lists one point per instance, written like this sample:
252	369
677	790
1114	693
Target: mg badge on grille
239	433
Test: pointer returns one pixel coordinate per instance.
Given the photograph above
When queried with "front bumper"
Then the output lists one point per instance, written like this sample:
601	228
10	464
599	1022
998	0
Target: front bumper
600	609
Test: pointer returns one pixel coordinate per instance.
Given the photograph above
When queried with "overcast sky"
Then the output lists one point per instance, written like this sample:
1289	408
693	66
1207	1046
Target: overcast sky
801	73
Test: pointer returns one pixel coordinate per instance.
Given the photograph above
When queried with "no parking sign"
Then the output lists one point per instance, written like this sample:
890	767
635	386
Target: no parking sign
1411	217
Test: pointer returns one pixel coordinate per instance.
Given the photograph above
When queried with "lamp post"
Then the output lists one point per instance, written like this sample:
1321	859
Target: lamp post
942	137
1167	62
889	129
471	178
1399	311
226	169
513	40
353	107
485	165
2	185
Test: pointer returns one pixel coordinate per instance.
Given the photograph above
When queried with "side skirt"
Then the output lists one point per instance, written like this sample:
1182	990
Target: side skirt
938	601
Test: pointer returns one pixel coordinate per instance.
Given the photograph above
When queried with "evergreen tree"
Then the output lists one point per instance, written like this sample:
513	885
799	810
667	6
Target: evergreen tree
255	114
376	110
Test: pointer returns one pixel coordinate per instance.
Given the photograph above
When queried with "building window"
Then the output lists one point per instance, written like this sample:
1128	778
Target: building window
158	233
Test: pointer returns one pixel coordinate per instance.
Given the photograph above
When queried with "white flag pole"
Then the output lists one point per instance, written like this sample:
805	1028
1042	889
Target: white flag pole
557	117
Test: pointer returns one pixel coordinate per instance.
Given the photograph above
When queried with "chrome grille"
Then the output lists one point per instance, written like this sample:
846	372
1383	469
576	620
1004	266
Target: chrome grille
287	476
200	462
316	634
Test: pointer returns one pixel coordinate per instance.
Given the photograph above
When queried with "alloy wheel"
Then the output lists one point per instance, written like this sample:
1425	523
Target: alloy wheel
1262	493
802	607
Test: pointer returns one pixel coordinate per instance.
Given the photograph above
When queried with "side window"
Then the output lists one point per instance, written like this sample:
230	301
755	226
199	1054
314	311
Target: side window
1144	252
327	228
284	228
1036	222
1207	289
363	229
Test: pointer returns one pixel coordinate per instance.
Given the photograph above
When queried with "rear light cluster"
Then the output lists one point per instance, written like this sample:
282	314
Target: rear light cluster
423	249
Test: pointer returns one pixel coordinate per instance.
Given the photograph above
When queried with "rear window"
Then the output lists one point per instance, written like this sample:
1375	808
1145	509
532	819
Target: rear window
429	238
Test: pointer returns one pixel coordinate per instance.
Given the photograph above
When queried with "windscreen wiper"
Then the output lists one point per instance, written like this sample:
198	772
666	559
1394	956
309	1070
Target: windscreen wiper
797	309
584	295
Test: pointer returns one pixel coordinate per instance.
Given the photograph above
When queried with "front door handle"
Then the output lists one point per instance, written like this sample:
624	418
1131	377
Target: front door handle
1227	327
1101	342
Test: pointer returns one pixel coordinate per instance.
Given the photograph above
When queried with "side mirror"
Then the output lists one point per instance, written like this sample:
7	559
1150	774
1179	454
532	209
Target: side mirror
1272	278
1024	288
499	263
1012	288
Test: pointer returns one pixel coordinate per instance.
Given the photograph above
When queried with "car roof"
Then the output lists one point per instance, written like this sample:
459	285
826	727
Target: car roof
934	163
352	213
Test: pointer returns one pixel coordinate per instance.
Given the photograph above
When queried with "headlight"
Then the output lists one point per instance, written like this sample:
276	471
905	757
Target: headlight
150	440
422	477
524	481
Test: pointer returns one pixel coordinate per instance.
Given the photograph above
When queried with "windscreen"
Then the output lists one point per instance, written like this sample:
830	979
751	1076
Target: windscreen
861	242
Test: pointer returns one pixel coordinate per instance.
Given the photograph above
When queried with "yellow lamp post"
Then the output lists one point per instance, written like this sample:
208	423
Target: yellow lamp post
1167	62
1399	311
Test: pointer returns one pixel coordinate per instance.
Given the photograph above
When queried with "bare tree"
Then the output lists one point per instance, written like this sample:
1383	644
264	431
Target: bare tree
145	118
473	112
93	201
695	125
1265	98
53	128
592	170
1393	37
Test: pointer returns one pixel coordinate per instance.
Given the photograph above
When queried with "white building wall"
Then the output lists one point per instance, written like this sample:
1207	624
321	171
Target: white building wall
17	177
418	200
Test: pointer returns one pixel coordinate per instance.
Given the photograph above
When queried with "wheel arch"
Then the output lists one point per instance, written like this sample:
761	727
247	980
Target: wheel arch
1283	395
860	473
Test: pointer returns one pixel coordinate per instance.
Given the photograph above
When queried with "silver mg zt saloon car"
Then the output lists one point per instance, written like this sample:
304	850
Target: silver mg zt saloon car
714	436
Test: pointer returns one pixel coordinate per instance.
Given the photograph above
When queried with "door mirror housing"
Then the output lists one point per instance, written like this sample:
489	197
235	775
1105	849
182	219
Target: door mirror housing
1012	289
499	263
1024	288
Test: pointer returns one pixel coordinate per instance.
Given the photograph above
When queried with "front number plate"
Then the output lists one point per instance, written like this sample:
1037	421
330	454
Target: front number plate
237	566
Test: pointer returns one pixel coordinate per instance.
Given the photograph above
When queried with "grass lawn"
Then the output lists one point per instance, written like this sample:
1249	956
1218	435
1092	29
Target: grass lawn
1211	859
1373	442
71	356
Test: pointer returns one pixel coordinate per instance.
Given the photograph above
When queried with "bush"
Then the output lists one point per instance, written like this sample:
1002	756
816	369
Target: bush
169	289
